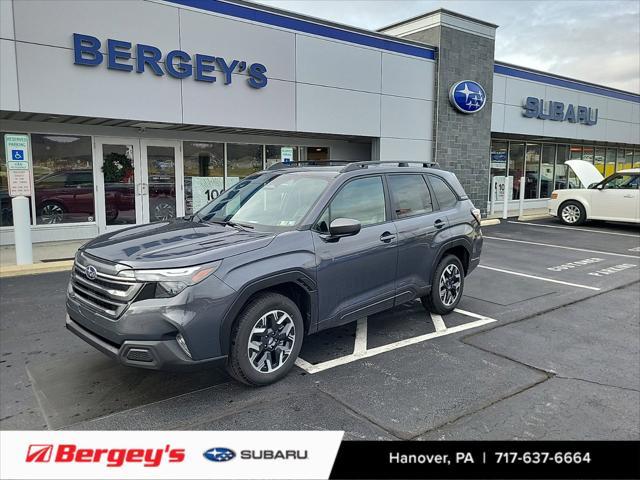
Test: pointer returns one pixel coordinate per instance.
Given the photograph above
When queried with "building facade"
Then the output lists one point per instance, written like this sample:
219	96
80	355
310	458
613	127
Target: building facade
147	109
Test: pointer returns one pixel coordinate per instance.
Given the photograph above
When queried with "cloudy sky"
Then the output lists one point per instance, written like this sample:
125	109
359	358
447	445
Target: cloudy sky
596	41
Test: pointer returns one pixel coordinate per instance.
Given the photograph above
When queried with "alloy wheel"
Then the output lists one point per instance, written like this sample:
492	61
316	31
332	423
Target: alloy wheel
51	213
271	341
164	211
571	214
449	285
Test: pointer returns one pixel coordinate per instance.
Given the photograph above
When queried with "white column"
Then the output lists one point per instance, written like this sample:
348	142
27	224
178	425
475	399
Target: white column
22	230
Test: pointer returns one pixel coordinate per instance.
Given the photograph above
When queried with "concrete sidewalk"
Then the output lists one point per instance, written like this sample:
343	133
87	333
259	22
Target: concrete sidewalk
47	257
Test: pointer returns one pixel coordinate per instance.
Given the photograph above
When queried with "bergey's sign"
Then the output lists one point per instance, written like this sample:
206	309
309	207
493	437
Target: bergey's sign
124	56
559	112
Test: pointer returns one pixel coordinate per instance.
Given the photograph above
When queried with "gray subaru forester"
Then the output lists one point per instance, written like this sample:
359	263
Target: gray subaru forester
284	253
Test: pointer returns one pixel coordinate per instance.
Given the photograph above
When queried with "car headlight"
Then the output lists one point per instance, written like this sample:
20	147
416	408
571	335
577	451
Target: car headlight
171	281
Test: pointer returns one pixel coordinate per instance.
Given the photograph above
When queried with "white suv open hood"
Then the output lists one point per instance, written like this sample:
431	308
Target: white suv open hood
585	171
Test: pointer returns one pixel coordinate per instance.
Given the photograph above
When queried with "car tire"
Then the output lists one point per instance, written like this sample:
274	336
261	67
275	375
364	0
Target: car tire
51	212
572	212
446	286
259	358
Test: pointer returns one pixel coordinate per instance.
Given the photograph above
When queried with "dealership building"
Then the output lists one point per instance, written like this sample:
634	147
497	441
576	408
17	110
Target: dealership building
143	110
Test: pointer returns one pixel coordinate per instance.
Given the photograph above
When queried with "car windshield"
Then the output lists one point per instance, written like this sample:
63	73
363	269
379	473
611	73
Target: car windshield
266	201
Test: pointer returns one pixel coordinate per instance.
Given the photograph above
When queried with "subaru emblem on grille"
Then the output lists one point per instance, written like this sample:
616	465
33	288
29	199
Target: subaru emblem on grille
91	273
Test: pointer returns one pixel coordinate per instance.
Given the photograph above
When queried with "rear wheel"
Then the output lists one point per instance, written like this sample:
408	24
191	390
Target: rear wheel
446	286
572	213
265	340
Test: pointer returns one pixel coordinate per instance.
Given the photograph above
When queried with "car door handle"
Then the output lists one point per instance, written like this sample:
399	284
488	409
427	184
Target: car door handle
386	237
628	196
438	224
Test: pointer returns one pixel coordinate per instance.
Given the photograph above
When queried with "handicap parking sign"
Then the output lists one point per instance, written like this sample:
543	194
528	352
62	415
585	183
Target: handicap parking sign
17	155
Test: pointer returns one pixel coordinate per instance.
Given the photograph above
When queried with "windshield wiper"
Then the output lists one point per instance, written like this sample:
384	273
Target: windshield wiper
240	225
231	224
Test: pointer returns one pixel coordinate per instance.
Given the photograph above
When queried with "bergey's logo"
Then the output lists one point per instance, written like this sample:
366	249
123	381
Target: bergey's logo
39	453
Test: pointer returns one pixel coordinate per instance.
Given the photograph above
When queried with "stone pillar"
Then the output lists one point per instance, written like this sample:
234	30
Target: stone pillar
465	52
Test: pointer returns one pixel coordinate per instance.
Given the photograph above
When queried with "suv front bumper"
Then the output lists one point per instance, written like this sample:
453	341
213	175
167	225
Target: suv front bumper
150	354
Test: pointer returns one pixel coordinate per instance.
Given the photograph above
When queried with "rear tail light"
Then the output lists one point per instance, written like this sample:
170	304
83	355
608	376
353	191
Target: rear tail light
476	213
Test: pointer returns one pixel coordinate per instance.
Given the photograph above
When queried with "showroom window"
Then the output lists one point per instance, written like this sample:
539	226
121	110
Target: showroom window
547	170
636	159
575	152
532	171
610	162
203	174
516	167
242	160
275	154
499	157
619	159
599	159
561	169
587	154
628	159
63	179
6	212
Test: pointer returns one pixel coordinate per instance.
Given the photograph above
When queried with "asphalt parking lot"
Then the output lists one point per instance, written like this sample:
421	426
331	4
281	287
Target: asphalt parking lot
544	345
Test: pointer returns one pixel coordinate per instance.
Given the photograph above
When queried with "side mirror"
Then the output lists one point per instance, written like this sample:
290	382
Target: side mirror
600	186
344	227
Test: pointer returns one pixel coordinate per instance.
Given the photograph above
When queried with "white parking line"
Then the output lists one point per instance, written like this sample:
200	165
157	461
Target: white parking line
360	344
438	322
319	367
592	230
520	274
563	247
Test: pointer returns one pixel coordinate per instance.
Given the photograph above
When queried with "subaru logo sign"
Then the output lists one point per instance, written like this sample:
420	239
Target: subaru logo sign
219	454
467	96
91	273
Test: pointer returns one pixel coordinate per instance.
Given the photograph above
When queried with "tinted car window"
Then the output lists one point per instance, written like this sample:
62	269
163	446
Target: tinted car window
361	199
444	194
623	181
79	178
409	195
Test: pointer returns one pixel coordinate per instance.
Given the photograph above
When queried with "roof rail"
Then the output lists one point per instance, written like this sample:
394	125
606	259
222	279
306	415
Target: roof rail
350	166
400	163
313	163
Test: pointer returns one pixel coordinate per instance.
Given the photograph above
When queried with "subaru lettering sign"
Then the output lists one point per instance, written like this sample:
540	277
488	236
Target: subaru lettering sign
558	112
219	454
467	96
123	56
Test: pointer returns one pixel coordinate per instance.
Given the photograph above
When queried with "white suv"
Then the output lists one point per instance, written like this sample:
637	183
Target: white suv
615	198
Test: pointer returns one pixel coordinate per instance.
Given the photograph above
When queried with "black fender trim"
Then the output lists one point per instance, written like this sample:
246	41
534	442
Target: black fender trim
456	242
294	276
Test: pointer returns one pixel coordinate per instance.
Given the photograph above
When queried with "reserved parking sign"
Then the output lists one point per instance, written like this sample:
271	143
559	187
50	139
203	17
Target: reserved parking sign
18	164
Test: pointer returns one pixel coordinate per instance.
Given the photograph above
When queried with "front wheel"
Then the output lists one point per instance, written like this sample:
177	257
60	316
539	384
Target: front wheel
446	286
572	213
265	340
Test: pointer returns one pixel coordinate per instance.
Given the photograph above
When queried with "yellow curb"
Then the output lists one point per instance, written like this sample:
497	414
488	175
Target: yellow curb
489	222
35	268
539	216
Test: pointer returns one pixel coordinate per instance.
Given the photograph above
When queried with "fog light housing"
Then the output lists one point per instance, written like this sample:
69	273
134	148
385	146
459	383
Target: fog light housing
183	344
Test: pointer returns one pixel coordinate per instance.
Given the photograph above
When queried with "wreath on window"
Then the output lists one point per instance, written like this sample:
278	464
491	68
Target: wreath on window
117	168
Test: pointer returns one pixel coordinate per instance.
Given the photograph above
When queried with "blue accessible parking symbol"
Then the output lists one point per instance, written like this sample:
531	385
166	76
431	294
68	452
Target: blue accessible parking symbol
17	155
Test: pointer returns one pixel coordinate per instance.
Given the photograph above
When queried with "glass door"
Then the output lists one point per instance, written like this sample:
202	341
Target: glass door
162	182
117	179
